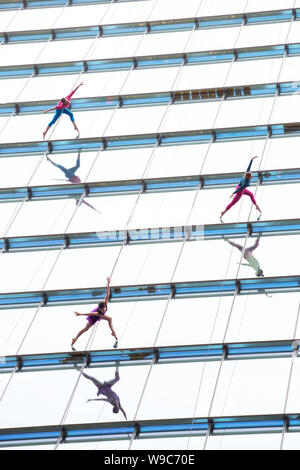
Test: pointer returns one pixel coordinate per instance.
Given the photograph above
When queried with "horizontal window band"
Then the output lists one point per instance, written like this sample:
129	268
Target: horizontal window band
175	427
150	185
164	139
157	98
142	27
145	355
29	4
177	290
152	61
150	235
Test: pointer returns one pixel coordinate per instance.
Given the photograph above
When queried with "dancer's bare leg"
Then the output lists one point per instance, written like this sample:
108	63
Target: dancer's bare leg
45	132
86	328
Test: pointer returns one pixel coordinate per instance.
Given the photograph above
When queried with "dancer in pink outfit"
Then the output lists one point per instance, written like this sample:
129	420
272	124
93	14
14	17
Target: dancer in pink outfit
241	189
60	108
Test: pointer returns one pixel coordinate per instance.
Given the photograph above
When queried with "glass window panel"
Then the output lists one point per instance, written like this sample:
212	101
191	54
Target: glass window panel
54	87
41	389
247	442
157	210
98	445
6	19
20	53
147	259
289	67
127	12
14	325
83	15
175	443
263	317
285	109
143	81
120	46
164	43
275	150
94	264
29	19
269	197
82	412
8	213
135	121
209	205
202	252
258	35
45	336
203	76
293	395
30	128
249	387
291	441
190	117
233	157
294	32
9	177
47	402
207	39
208	316
261	256
179	160
61	51
14	277
263	72
163	8
35	219
48	174
120	164
264	5
250	112
11	90
162	389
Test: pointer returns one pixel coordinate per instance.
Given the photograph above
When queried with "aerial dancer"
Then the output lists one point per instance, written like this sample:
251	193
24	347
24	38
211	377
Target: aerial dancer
241	189
248	255
70	174
95	315
60	108
105	388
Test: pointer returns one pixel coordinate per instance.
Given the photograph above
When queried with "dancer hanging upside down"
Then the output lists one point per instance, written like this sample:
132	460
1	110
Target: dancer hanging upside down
70	174
60	108
104	388
241	189
95	315
252	261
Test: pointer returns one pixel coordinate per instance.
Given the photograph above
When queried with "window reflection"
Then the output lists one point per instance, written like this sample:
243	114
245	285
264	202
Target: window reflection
105	388
252	262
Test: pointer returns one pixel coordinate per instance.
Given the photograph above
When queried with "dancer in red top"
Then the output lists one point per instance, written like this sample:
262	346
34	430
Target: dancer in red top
62	107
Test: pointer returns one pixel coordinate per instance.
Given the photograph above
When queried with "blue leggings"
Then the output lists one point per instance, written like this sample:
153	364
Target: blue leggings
59	113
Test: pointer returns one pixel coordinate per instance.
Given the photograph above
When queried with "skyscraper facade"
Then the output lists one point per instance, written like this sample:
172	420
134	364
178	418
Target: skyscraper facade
142	176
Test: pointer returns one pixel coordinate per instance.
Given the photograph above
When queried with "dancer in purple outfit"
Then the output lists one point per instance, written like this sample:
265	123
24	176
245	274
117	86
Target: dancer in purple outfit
95	315
241	189
104	388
